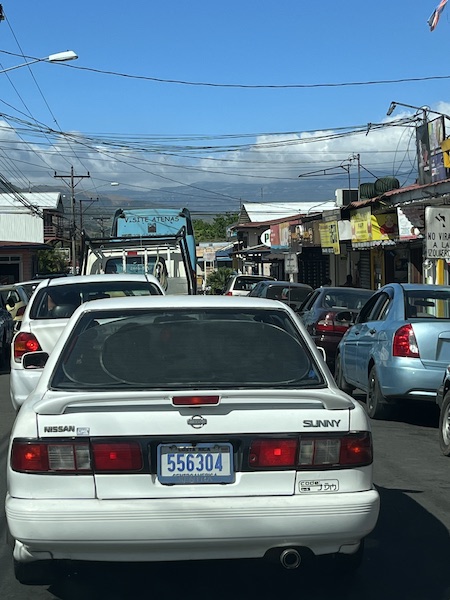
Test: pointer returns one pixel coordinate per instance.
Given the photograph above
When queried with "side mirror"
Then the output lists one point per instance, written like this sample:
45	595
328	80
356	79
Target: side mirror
34	360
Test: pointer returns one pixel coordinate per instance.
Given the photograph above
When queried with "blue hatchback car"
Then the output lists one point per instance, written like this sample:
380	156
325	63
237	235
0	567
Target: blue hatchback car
398	348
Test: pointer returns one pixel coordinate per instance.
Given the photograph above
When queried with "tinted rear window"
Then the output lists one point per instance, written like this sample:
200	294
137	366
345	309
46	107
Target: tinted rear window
427	304
56	302
199	349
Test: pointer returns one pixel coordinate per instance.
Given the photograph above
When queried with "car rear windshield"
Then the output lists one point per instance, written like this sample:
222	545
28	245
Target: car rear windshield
353	299
56	302
433	304
198	349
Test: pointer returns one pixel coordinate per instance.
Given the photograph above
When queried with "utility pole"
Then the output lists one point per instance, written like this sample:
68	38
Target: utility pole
70	180
91	200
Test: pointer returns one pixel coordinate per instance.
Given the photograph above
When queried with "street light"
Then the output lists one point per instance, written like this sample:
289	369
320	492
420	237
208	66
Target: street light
424	109
58	57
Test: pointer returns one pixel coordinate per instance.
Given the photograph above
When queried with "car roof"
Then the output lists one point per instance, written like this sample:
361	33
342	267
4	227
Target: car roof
104	277
183	302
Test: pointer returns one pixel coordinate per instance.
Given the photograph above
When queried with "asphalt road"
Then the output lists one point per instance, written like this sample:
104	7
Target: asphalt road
407	556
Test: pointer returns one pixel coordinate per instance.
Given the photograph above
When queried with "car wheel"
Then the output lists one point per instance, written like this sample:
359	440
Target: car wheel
444	426
339	377
376	404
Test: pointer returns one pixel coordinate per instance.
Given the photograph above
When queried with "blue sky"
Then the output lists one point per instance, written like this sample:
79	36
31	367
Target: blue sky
243	43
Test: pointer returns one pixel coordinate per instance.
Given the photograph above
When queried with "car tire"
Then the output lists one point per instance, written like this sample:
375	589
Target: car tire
339	377
376	404
444	426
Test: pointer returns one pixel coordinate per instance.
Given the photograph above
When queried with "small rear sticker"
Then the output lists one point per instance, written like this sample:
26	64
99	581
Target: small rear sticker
318	486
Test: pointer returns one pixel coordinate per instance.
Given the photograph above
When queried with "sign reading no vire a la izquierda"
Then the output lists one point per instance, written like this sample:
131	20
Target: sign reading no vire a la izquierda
437	227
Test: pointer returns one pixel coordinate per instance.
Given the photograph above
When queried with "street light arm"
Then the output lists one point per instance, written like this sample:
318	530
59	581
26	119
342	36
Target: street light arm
58	57
424	109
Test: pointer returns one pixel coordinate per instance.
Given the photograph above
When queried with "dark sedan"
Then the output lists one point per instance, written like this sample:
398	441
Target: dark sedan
292	294
327	314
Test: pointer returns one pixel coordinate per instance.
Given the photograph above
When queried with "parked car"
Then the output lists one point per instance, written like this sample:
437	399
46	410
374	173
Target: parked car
6	333
327	314
49	309
138	445
399	346
241	285
292	294
443	402
16	296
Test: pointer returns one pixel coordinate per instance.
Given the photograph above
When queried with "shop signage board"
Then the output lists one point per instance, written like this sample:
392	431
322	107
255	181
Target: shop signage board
329	237
437	229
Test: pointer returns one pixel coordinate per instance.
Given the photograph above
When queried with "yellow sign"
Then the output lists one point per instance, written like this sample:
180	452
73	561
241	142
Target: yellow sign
445	145
361	223
329	236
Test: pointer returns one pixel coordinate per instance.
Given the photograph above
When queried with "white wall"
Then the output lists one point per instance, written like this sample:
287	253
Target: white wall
19	227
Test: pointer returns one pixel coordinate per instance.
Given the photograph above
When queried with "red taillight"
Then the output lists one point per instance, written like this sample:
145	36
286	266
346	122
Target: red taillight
50	457
228	294
273	453
23	343
329	325
20	311
354	449
194	400
117	456
405	343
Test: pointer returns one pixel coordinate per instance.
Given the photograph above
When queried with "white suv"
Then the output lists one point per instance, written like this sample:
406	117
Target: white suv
242	285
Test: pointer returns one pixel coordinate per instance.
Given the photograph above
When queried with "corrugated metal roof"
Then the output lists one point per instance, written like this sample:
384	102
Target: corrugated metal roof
44	200
261	212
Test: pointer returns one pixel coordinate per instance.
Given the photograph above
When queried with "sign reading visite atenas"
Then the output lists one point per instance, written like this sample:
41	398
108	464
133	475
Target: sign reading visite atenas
437	227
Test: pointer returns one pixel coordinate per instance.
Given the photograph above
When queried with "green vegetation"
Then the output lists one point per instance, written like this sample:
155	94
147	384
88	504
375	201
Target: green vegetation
52	261
217	279
215	231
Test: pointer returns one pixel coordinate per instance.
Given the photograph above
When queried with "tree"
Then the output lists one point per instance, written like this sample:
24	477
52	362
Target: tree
52	261
215	231
217	279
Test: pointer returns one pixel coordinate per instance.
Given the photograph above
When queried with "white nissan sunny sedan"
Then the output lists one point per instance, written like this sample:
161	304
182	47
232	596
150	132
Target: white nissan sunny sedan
186	428
49	310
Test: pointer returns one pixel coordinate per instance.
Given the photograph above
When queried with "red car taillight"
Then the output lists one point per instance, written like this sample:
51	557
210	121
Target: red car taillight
117	456
351	450
228	294
405	343
329	325
194	400
23	343
75	457
273	453
48	457
354	449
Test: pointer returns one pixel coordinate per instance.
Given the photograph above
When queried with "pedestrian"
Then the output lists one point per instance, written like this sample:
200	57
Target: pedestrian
348	281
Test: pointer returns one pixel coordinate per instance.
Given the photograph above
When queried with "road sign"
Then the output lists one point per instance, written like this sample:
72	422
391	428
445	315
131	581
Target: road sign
290	263
437	228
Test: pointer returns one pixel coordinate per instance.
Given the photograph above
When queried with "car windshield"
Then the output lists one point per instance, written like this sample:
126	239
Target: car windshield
353	299
56	302
434	304
196	349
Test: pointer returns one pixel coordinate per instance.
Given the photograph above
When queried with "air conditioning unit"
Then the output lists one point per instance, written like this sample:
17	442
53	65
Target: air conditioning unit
345	196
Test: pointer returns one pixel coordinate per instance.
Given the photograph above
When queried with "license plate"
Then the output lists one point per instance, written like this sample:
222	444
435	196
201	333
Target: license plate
184	464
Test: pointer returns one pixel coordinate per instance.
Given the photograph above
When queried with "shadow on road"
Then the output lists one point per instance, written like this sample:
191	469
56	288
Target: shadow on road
406	556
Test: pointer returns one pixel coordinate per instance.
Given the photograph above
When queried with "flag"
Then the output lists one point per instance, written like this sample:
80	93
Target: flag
433	20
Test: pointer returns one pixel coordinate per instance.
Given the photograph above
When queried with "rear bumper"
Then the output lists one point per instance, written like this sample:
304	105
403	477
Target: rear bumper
187	529
408	379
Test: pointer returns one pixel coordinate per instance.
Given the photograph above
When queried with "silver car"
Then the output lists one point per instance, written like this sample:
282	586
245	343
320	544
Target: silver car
398	348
